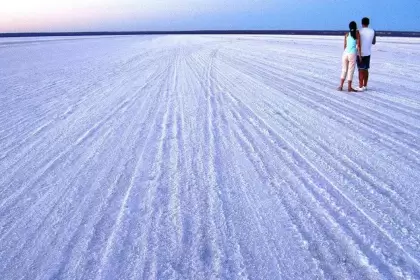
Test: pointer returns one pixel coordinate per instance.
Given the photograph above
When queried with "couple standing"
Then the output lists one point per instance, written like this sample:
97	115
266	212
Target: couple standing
357	49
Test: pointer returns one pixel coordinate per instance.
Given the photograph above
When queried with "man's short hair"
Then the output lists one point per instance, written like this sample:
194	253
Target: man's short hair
365	21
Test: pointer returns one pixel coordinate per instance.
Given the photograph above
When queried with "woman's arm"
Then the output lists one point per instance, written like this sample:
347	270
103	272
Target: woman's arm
359	43
345	40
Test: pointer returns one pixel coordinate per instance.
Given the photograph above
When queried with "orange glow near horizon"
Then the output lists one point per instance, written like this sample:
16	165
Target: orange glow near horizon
50	23
48	15
88	15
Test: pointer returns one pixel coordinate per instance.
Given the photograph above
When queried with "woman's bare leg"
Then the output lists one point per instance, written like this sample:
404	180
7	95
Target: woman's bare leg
340	88
344	70
351	89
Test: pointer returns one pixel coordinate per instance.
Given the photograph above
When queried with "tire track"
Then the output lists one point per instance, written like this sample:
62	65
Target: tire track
122	78
216	110
119	223
319	177
84	231
64	193
382	126
149	262
122	107
311	103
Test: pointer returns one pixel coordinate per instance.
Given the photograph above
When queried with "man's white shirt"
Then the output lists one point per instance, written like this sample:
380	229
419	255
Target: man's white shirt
366	37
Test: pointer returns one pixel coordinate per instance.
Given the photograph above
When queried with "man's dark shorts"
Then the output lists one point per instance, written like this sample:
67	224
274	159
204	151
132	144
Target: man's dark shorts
363	64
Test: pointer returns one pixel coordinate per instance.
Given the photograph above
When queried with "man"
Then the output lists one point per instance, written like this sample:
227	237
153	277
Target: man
368	38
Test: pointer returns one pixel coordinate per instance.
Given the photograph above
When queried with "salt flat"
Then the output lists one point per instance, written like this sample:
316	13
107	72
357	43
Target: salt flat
207	157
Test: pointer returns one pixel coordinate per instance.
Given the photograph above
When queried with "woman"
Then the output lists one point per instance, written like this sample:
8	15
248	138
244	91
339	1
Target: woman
352	47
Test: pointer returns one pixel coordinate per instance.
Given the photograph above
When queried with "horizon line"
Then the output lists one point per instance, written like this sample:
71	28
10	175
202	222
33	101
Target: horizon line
208	31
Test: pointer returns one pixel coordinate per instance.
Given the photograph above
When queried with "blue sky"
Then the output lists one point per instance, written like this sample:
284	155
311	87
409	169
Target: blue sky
118	15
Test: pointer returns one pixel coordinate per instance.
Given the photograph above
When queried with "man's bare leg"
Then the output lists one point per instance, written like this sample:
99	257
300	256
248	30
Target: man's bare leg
361	78
365	78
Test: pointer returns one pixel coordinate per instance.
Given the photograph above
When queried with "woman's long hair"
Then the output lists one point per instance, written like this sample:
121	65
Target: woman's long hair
353	29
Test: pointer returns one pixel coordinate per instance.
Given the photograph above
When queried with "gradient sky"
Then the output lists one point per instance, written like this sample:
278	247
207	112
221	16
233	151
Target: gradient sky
120	15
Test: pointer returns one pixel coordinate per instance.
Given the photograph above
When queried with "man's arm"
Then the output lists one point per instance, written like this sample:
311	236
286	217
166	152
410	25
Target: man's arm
374	38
